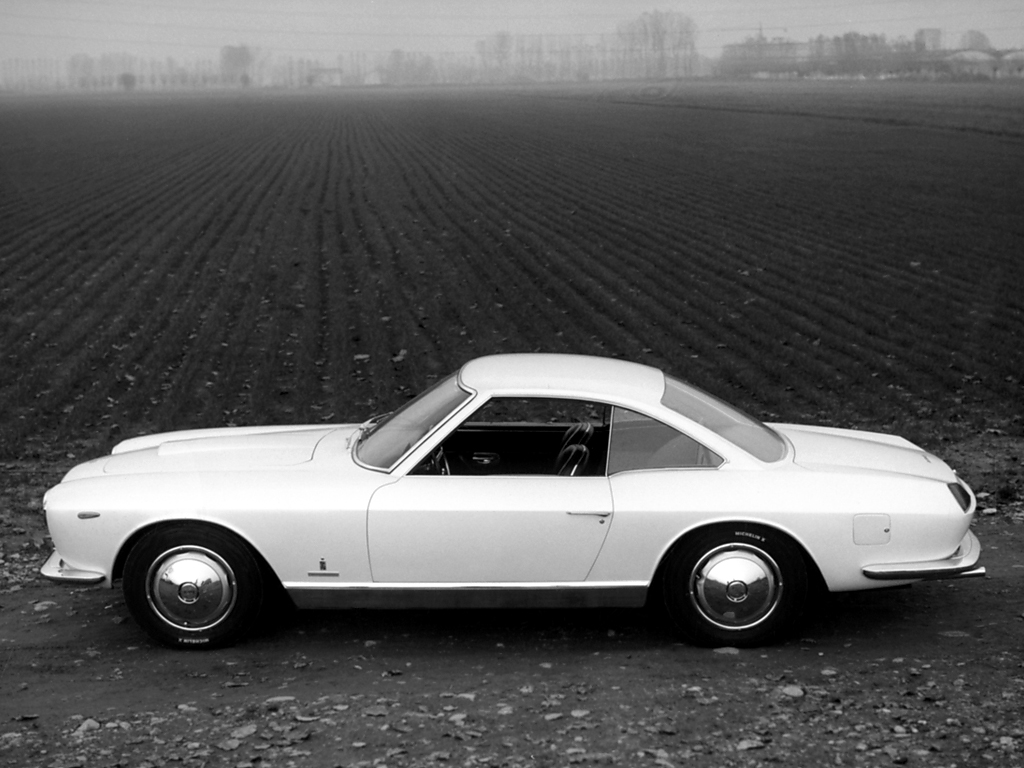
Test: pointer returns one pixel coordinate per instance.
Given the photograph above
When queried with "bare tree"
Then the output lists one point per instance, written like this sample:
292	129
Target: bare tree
973	40
82	71
495	55
659	44
235	63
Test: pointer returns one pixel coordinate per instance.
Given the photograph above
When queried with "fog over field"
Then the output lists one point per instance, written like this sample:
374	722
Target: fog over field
318	28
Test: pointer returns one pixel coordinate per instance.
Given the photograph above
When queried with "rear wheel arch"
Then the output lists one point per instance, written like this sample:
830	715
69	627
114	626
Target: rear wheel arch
770	548
682	539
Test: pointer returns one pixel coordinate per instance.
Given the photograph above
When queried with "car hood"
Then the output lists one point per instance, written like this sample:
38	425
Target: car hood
216	450
835	449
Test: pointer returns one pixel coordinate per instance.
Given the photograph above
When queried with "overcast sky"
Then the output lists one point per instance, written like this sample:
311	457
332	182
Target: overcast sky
197	29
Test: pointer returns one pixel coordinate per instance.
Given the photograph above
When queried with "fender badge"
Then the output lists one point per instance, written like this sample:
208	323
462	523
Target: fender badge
323	570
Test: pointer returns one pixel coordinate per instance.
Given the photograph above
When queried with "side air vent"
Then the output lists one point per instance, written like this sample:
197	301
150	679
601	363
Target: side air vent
963	498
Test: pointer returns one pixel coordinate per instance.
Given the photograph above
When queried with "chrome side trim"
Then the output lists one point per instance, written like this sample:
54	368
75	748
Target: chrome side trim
439	596
961	565
56	569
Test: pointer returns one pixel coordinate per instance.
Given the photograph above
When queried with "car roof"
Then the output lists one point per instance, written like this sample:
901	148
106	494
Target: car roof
558	375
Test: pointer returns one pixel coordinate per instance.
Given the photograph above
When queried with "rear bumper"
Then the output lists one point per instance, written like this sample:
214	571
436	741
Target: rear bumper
963	564
56	569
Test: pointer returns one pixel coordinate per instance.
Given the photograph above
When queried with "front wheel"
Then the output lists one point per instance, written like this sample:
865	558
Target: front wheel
741	585
193	586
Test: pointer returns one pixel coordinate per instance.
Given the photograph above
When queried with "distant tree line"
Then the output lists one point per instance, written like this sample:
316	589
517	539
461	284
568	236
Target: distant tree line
655	45
853	54
107	72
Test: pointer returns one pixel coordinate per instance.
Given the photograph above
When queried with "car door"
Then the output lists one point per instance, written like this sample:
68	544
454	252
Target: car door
473	529
500	513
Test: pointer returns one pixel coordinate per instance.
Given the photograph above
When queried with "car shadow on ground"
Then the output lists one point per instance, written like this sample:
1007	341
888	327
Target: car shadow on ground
909	616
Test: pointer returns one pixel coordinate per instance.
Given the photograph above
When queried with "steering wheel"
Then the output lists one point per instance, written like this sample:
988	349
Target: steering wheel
439	463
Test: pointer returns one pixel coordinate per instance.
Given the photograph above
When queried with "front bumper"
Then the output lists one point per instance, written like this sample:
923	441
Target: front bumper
56	569
961	565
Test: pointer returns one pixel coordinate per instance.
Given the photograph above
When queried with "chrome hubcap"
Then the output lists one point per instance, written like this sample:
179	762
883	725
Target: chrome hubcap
736	586
191	588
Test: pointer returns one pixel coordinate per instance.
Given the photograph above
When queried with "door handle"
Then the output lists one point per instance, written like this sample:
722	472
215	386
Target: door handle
486	459
588	514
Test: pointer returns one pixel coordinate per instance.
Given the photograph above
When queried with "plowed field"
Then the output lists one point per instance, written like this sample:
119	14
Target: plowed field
842	253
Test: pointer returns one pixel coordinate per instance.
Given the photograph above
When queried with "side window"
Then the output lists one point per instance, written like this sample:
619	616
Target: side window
640	442
531	436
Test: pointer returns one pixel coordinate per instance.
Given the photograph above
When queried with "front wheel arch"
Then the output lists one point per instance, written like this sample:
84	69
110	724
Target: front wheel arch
694	618
213	550
269	575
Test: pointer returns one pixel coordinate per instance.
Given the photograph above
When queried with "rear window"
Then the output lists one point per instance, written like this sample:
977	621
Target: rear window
744	431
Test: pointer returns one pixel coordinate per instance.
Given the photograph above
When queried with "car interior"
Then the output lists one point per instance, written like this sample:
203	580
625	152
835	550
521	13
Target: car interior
538	436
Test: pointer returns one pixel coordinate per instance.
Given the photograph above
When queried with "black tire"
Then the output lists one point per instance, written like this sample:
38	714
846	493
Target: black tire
739	585
193	586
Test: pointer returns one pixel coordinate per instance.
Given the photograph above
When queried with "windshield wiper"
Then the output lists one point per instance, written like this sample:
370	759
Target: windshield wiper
369	426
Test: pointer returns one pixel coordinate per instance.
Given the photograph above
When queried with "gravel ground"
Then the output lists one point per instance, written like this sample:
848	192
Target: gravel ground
931	676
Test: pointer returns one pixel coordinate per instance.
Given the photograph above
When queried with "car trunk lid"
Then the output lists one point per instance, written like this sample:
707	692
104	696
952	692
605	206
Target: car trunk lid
821	447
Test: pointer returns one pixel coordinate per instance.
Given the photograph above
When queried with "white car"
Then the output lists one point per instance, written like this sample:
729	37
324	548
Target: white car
520	480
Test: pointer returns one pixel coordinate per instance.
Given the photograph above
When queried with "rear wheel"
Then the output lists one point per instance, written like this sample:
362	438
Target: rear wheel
193	586
741	585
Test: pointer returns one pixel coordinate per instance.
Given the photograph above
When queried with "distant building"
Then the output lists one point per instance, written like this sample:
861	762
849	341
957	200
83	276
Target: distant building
973	64
762	57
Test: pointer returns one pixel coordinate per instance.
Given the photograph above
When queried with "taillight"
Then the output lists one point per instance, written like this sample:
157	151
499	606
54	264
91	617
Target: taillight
961	494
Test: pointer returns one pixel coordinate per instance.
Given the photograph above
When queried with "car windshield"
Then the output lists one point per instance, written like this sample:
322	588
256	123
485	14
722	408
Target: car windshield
384	443
731	423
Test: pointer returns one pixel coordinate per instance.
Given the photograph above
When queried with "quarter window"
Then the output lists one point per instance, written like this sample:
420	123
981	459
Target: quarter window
640	442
